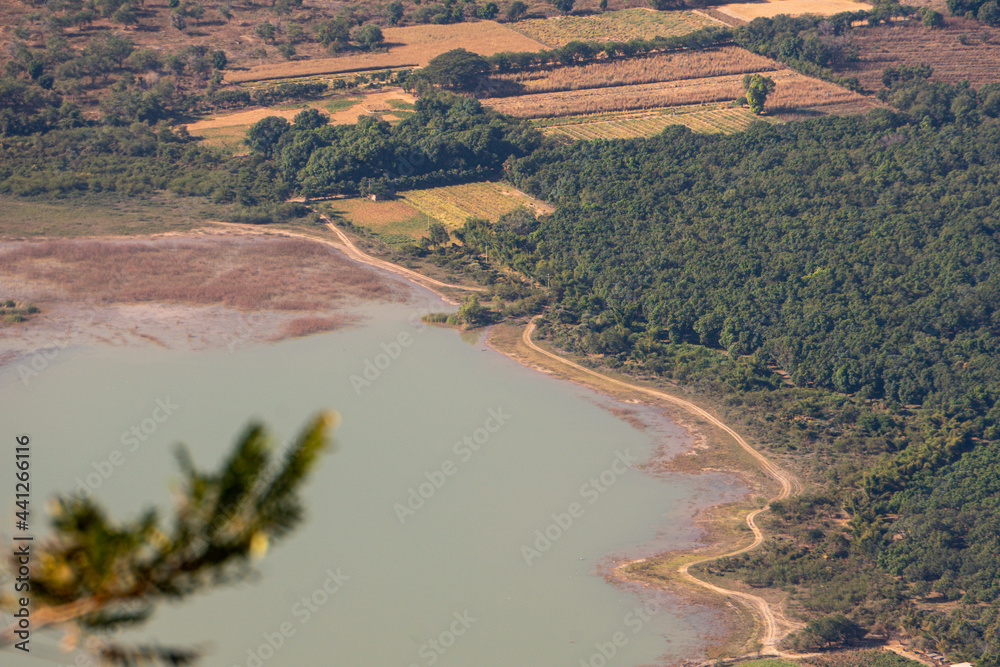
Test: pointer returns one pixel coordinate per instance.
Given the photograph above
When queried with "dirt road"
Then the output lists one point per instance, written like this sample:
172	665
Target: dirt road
774	626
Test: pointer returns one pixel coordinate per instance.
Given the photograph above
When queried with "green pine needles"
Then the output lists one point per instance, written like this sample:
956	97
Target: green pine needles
95	572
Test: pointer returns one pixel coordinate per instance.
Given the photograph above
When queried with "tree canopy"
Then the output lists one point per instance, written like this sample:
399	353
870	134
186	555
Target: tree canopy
458	69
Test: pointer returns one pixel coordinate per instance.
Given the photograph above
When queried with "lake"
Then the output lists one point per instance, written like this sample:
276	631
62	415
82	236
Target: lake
464	517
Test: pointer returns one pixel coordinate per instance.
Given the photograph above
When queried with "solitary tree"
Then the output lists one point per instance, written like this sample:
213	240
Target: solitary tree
97	573
368	36
125	15
516	10
472	313
457	68
757	89
394	12
438	235
488	11
565	6
265	31
219	59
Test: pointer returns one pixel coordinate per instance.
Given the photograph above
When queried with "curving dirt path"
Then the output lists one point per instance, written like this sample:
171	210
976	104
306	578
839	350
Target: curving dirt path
772	624
354	252
359	255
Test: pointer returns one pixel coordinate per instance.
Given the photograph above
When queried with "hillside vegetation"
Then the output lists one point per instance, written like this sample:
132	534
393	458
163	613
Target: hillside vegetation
859	255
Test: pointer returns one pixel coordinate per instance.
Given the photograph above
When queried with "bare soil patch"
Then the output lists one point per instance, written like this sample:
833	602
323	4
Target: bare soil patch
750	10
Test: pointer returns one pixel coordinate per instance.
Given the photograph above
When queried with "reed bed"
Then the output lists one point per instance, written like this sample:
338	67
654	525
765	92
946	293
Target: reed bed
239	272
305	326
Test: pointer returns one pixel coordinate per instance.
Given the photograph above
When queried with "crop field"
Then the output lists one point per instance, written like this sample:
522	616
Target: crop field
794	92
707	119
977	59
797	93
750	10
395	221
618	26
651	69
643	96
410	46
453	204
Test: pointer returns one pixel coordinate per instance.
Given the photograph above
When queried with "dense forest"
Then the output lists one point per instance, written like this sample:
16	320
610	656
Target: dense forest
860	256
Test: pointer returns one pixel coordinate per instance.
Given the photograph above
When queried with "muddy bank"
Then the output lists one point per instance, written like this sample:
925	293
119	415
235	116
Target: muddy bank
181	291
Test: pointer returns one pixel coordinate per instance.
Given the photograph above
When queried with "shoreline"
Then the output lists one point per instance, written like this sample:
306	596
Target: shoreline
669	570
709	434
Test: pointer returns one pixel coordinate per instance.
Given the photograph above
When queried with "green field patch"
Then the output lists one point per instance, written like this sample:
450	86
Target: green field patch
401	105
101	215
342	103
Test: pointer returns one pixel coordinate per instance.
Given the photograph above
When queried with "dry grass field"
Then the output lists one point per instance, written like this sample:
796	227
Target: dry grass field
227	130
453	204
797	94
750	10
410	46
651	69
623	25
238	272
794	92
977	59
709	119
395	221
623	98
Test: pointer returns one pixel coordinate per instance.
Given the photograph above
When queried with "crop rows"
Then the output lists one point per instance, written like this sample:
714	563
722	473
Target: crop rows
652	69
453	204
623	98
721	119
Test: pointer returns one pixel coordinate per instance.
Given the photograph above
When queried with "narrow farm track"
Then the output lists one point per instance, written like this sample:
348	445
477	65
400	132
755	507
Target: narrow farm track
359	255
774	627
354	252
